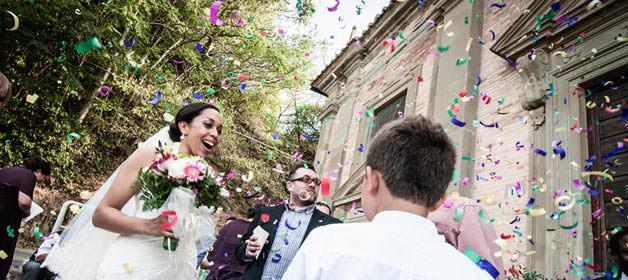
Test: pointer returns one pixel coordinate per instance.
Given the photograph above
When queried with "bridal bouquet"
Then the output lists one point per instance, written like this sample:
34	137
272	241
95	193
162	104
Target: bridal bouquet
169	171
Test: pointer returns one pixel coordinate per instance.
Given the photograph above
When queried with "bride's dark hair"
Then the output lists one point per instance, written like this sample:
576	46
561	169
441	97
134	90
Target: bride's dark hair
187	114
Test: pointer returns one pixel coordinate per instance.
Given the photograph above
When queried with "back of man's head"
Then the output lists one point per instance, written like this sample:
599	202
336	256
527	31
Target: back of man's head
35	163
415	157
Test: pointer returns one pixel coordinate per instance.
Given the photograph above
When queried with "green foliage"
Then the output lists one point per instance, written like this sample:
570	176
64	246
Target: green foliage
147	46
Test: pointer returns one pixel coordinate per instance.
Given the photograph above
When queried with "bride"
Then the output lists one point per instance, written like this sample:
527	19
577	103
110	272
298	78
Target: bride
126	243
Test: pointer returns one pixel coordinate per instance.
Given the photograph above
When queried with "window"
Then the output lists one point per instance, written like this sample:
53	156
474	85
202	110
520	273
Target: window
387	113
608	134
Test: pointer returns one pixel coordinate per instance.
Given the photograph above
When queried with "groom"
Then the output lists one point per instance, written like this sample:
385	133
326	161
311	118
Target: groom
287	224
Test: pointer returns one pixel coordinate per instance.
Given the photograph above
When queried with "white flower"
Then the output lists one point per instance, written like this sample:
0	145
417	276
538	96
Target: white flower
224	192
176	169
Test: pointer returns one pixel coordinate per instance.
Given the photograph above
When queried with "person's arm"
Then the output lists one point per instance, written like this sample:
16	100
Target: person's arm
108	215
25	203
479	236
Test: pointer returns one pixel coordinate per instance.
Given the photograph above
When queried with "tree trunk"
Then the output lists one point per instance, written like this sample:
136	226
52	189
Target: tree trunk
90	101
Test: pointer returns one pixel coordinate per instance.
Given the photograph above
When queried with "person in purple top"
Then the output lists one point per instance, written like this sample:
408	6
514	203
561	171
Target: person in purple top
17	185
224	264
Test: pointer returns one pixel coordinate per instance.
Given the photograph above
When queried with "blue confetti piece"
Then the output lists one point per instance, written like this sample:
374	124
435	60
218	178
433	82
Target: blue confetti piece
242	86
540	152
156	99
556	6
275	136
131	44
421	4
199	47
497	5
361	148
197	95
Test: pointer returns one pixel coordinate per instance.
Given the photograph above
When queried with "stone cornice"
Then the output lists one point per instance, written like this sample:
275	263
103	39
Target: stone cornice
518	40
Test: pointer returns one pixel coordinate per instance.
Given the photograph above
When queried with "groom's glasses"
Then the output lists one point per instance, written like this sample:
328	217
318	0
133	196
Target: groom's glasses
307	179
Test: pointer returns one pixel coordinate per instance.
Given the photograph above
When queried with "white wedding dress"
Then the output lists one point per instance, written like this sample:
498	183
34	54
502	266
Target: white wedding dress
85	252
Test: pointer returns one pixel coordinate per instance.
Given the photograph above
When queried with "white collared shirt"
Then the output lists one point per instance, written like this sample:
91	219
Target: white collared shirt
395	245
624	276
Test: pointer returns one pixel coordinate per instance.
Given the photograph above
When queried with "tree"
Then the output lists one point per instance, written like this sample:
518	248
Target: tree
92	79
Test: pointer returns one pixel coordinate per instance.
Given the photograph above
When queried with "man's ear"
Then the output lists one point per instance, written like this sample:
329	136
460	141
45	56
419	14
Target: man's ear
373	178
288	186
439	203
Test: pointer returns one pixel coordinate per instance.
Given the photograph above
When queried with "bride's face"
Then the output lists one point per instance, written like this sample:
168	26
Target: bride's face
202	134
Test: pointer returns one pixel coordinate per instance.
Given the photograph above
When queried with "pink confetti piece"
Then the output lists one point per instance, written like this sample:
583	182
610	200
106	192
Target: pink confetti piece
335	7
214	13
448	204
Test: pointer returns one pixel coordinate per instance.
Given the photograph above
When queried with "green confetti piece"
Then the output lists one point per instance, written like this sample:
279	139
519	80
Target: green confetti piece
450	113
483	217
211	91
328	118
257	188
342	219
456	175
518	233
461	61
475	90
87	45
472	255
64	44
331	37
370	112
458	214
441	49
10	232
371	125
244	46
61	59
250	19
469	159
401	35
159	78
476	123
7	142
250	37
72	136
580	39
270	155
551	87
501	100
466	20
538	23
37	232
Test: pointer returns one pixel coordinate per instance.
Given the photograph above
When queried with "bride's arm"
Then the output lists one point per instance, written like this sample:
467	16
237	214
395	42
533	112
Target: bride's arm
108	215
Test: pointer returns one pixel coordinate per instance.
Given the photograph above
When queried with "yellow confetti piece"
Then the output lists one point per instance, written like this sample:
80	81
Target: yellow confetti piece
75	209
248	177
168	117
537	212
597	173
31	98
618	162
617	200
127	268
500	242
3	255
564	199
591	104
530	253
85	195
468	44
622	39
593	4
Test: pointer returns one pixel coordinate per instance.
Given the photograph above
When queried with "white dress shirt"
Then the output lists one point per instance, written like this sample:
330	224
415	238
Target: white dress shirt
395	245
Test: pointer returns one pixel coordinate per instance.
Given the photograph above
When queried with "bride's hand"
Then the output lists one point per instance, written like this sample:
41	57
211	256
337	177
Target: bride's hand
152	227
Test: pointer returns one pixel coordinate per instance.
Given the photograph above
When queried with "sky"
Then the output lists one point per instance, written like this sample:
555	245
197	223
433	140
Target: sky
334	27
339	24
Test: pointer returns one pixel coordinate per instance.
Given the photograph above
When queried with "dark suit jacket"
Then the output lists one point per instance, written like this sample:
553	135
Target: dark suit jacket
256	267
